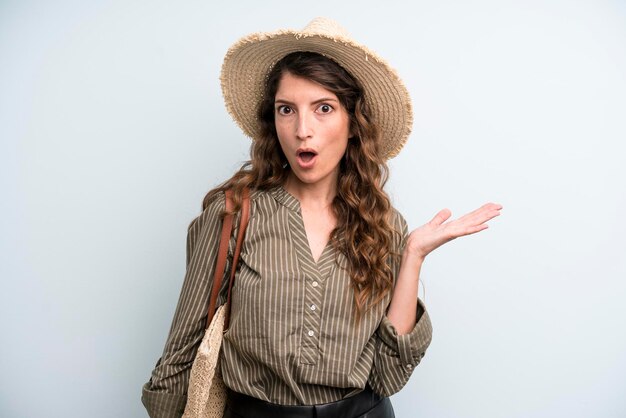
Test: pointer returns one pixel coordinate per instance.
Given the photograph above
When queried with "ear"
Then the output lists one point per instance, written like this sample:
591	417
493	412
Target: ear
353	131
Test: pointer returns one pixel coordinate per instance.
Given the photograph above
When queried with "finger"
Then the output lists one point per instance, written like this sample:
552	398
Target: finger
487	207
472	225
492	205
481	215
441	217
476	228
486	216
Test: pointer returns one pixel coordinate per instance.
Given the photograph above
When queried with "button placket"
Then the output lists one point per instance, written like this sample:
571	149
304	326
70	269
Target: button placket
315	274
312	304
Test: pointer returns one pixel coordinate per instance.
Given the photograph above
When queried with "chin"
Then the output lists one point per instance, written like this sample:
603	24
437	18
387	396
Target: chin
306	178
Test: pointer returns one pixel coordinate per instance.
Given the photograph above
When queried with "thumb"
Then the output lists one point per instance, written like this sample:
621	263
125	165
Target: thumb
441	217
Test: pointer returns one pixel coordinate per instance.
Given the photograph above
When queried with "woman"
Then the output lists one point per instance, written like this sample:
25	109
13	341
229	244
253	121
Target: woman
325	315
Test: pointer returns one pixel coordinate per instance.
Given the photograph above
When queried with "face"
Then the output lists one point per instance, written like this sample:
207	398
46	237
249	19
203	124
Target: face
313	129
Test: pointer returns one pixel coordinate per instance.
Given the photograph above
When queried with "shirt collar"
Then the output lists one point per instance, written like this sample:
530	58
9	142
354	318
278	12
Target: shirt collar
285	198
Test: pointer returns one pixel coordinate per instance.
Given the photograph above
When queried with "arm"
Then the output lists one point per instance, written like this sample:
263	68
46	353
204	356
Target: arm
165	395
401	340
406	331
421	242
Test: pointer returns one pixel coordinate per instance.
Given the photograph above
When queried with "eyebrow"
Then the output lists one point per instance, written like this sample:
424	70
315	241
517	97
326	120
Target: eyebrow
323	99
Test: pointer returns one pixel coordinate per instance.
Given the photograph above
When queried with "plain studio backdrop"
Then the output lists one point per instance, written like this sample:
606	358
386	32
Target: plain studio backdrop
113	128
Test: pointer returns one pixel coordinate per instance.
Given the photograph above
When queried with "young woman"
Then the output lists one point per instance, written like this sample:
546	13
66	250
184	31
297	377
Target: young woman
325	315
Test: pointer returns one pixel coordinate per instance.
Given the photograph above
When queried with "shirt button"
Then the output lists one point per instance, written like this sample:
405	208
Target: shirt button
313	307
311	333
314	284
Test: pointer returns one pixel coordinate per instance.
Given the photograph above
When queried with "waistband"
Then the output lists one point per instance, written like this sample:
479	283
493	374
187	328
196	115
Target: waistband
248	406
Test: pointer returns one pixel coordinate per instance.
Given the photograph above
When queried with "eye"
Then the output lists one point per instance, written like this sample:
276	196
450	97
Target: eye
325	108
284	110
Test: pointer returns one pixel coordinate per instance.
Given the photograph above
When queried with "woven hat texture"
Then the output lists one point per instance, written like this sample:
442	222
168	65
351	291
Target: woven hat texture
248	62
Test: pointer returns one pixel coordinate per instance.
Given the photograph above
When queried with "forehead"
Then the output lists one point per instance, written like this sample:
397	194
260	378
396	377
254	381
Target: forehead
295	87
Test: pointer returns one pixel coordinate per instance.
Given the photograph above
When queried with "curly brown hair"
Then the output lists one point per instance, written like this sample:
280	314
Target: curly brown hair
361	206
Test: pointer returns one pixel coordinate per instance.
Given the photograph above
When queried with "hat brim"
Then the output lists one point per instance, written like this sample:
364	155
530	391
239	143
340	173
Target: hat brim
248	62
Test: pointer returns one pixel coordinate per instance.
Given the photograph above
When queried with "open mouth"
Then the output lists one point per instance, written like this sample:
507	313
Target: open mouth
306	157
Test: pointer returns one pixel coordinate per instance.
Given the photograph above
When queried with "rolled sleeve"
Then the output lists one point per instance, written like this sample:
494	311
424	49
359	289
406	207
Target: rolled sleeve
162	404
410	347
396	356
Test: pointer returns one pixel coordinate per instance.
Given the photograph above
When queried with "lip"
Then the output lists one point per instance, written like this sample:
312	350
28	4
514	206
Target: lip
306	164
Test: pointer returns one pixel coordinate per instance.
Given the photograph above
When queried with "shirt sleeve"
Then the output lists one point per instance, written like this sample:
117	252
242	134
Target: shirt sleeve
165	394
396	356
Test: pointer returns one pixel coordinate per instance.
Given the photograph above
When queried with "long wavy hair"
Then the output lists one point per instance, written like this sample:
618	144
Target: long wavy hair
361	206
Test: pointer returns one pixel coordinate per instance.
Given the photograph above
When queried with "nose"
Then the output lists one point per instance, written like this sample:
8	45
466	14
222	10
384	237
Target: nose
304	125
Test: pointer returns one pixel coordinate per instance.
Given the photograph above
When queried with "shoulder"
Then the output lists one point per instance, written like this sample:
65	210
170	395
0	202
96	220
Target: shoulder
211	213
264	203
217	204
399	227
397	220
258	196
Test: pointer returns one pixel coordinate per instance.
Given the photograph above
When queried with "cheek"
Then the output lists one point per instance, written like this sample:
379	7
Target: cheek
341	132
342	125
281	134
285	146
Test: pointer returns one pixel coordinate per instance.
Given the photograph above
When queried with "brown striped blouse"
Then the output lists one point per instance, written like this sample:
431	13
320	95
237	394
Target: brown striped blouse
291	339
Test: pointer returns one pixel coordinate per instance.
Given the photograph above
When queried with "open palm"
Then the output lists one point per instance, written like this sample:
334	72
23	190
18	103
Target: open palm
437	232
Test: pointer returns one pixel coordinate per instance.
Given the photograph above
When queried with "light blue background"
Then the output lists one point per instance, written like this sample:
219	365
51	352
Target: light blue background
112	129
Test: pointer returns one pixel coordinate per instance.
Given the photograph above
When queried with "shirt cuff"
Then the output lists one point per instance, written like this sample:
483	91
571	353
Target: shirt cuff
410	347
162	404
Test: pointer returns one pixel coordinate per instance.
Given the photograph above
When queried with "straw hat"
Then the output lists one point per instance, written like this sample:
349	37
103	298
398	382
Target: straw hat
249	60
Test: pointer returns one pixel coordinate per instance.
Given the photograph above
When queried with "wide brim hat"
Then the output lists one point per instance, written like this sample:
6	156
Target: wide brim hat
248	62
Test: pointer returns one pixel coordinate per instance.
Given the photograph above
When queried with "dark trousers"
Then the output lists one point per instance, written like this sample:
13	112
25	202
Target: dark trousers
366	404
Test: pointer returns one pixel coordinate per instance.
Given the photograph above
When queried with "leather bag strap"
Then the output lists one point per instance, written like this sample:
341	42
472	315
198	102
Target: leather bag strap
227	227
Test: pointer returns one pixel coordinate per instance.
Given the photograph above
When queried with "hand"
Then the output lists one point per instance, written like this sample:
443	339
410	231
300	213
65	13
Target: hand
433	234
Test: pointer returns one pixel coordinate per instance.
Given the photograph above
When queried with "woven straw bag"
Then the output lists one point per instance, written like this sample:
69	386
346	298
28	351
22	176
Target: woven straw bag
206	393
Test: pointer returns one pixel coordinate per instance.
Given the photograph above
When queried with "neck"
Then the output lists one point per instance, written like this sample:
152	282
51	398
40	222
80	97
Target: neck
319	195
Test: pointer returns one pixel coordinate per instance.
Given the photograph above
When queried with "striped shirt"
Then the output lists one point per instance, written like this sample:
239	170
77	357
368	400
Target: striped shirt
292	338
